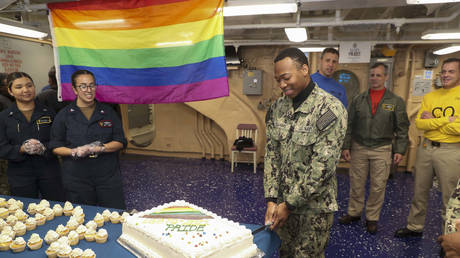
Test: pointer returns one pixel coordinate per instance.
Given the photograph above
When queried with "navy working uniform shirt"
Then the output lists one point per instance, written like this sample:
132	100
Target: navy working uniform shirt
26	171
90	180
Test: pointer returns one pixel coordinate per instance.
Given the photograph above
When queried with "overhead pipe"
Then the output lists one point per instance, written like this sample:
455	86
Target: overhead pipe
328	43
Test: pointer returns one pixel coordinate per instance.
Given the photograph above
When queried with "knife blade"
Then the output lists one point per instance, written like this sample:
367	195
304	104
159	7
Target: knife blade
261	228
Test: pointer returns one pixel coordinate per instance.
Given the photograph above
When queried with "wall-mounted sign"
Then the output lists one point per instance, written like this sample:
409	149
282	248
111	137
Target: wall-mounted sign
355	52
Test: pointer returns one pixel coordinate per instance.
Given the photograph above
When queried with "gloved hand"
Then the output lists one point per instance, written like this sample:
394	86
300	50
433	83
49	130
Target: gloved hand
33	147
93	148
96	147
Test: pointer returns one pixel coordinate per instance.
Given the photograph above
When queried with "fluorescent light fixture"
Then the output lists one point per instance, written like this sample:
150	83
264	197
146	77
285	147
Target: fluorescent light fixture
430	1
20	29
296	34
447	50
257	9
441	34
312	49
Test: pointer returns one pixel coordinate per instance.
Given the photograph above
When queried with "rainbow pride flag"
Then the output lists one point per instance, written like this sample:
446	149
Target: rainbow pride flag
150	51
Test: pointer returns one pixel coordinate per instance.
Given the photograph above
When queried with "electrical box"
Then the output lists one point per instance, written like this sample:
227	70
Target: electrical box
252	82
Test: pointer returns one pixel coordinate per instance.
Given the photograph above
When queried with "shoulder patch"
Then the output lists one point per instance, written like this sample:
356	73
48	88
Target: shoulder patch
388	107
325	120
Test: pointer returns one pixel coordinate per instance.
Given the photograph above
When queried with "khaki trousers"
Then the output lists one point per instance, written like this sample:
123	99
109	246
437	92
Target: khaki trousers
442	161
373	161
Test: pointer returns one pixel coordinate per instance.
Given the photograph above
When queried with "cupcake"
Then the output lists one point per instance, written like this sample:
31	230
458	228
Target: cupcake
31	224
20	204
51	236
45	203
21	215
13	208
35	242
62	230
88	253
64	251
4	213
2	224
40	208
72	224
79	214
68	208
52	250
99	219
81	231
3	202
8	230
106	214
40	219
49	214
63	240
10	202
76	253
32	208
124	216
90	234
115	217
73	237
20	228
101	236
11	220
91	224
57	210
18	245
5	241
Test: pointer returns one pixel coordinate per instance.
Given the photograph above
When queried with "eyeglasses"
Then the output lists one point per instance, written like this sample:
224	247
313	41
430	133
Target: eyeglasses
85	87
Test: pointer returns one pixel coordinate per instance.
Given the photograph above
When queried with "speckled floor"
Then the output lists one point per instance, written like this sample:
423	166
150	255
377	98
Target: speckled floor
151	181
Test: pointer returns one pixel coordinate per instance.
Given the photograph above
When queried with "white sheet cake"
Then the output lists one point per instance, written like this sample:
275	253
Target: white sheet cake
181	229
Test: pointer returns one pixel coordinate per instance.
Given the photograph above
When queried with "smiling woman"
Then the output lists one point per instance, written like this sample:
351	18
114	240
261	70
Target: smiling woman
24	135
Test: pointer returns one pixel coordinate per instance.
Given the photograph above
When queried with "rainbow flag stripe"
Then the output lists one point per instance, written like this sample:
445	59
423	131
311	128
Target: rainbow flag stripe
151	51
178	212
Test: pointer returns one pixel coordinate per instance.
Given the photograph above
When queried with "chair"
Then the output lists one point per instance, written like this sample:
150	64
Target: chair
248	131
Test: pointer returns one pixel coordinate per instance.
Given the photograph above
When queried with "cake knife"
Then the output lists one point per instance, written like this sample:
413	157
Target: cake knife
261	228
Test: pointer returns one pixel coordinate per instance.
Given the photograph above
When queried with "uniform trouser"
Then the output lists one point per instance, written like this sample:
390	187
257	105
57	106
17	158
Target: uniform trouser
305	235
442	161
35	183
373	161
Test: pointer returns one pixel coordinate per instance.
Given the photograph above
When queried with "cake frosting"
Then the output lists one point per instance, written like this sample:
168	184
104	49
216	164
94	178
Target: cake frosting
181	229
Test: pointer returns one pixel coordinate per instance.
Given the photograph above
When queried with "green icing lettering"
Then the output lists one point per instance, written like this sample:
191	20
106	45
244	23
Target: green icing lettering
201	227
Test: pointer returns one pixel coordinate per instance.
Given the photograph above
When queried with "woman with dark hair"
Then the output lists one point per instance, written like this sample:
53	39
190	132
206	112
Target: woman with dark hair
25	128
88	135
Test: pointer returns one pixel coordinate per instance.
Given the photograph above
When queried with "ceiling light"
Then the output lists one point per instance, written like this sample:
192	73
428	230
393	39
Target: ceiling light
430	1
20	29
256	9
296	34
312	49
441	34
447	50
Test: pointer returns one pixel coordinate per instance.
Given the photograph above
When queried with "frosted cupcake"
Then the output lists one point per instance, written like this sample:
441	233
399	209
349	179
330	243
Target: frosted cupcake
64	251
20	228
63	240
88	253
62	230
11	220
101	236
124	216
2	224
73	237
40	208
106	214
5	241
99	219
45	203
21	215
13	208
4	213
57	210
18	245
35	242
8	230
78	219
72	224
51	236
115	217
81	231
32	208
52	250
76	253
68	208
31	224
49	214
3	202
91	224
90	234
20	204
40	219
79	214
10	202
